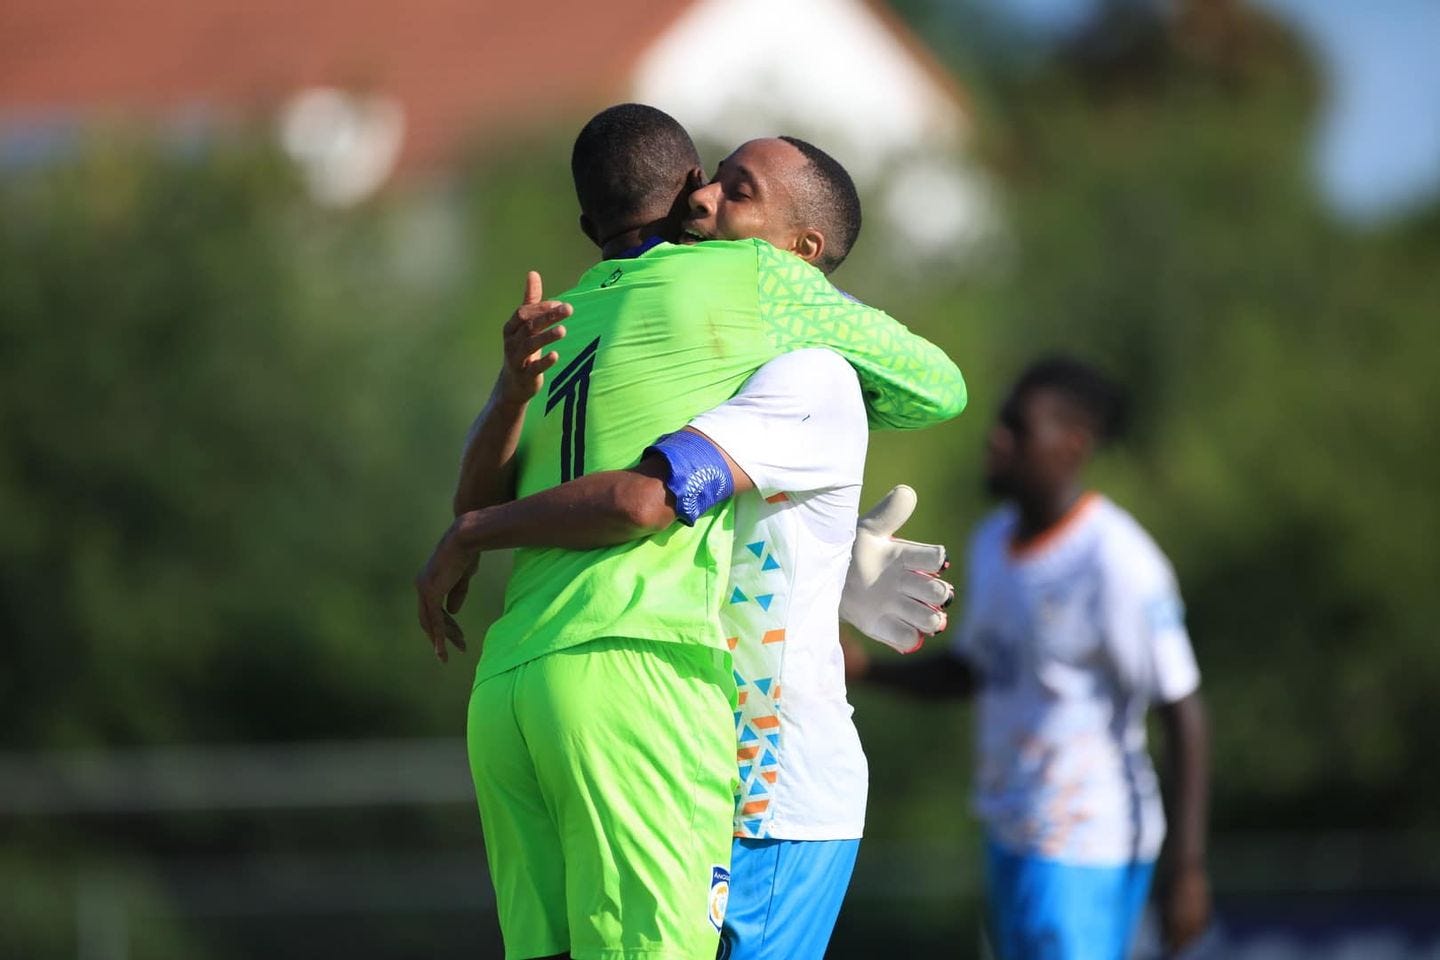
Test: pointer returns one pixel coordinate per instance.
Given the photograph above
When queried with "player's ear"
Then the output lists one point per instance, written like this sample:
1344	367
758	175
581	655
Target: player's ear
680	209
808	244
587	227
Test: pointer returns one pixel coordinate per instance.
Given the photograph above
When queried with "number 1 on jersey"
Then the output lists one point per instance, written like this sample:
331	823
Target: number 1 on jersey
572	385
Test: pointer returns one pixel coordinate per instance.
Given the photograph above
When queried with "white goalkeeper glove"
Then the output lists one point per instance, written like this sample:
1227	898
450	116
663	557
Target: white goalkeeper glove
893	593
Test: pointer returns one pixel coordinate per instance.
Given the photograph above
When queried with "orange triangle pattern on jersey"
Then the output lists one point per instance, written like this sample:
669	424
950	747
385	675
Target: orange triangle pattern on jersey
754	621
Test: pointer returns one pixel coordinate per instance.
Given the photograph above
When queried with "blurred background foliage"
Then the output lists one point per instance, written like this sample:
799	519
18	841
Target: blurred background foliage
229	422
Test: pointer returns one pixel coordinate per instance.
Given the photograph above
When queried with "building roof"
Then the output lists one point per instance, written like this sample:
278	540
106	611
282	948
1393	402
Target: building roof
456	66
458	69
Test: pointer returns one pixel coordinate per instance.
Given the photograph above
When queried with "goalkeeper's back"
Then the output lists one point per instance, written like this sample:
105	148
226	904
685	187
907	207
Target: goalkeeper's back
655	341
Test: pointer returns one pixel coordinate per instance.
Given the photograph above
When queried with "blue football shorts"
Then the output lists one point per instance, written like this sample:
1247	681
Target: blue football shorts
1047	910
784	897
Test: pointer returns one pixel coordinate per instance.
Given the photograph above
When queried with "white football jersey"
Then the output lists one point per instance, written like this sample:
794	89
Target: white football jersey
1073	638
798	429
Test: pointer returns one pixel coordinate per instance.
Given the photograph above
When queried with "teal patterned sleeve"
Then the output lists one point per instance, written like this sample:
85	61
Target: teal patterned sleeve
907	381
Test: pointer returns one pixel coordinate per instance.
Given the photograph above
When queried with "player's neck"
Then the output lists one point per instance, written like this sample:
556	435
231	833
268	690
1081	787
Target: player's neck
631	237
1040	515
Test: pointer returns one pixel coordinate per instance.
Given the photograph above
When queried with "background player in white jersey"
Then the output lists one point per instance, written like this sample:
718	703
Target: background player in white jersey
1073	628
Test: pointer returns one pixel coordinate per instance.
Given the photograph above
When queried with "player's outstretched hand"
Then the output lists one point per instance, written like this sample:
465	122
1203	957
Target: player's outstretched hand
444	581
893	592
531	328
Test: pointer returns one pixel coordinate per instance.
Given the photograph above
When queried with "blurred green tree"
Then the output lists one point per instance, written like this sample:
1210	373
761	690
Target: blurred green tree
214	402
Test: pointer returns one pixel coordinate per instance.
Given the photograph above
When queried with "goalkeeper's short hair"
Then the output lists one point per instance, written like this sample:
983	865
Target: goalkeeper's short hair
627	161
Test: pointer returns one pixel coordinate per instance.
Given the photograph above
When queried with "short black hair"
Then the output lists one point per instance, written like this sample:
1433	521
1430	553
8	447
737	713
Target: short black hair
829	202
1099	400
629	160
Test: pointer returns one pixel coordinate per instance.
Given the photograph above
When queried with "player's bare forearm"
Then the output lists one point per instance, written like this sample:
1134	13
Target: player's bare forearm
487	467
1184	884
593	511
945	677
598	510
1187	735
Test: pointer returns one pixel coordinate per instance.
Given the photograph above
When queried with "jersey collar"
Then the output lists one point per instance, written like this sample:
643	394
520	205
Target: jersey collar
634	252
1058	531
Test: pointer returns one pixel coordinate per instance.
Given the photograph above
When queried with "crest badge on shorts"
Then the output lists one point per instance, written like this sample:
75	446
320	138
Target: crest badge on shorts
719	895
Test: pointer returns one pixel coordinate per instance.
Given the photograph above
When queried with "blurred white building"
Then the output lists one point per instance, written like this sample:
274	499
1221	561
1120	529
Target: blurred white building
843	73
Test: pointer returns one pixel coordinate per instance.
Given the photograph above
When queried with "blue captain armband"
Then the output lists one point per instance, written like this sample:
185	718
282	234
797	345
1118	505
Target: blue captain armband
699	477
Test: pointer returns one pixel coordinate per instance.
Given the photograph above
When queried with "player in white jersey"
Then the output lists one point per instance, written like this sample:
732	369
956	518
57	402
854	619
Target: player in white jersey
796	431
1073	629
794	440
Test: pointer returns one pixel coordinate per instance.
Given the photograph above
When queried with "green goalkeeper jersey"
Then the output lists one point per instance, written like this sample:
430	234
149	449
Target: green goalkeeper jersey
655	341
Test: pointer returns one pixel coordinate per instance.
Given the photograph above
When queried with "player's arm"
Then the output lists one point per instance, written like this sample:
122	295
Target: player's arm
907	381
680	478
1184	885
596	510
487	466
798	428
944	677
1151	655
786	425
778	432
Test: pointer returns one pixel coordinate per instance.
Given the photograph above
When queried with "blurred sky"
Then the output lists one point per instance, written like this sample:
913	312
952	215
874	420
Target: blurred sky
1377	148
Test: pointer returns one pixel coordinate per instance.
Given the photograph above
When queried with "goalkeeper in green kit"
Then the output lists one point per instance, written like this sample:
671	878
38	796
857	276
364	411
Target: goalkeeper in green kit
601	730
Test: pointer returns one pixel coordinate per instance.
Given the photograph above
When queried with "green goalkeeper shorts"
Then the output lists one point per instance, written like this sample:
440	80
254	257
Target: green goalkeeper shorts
605	775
